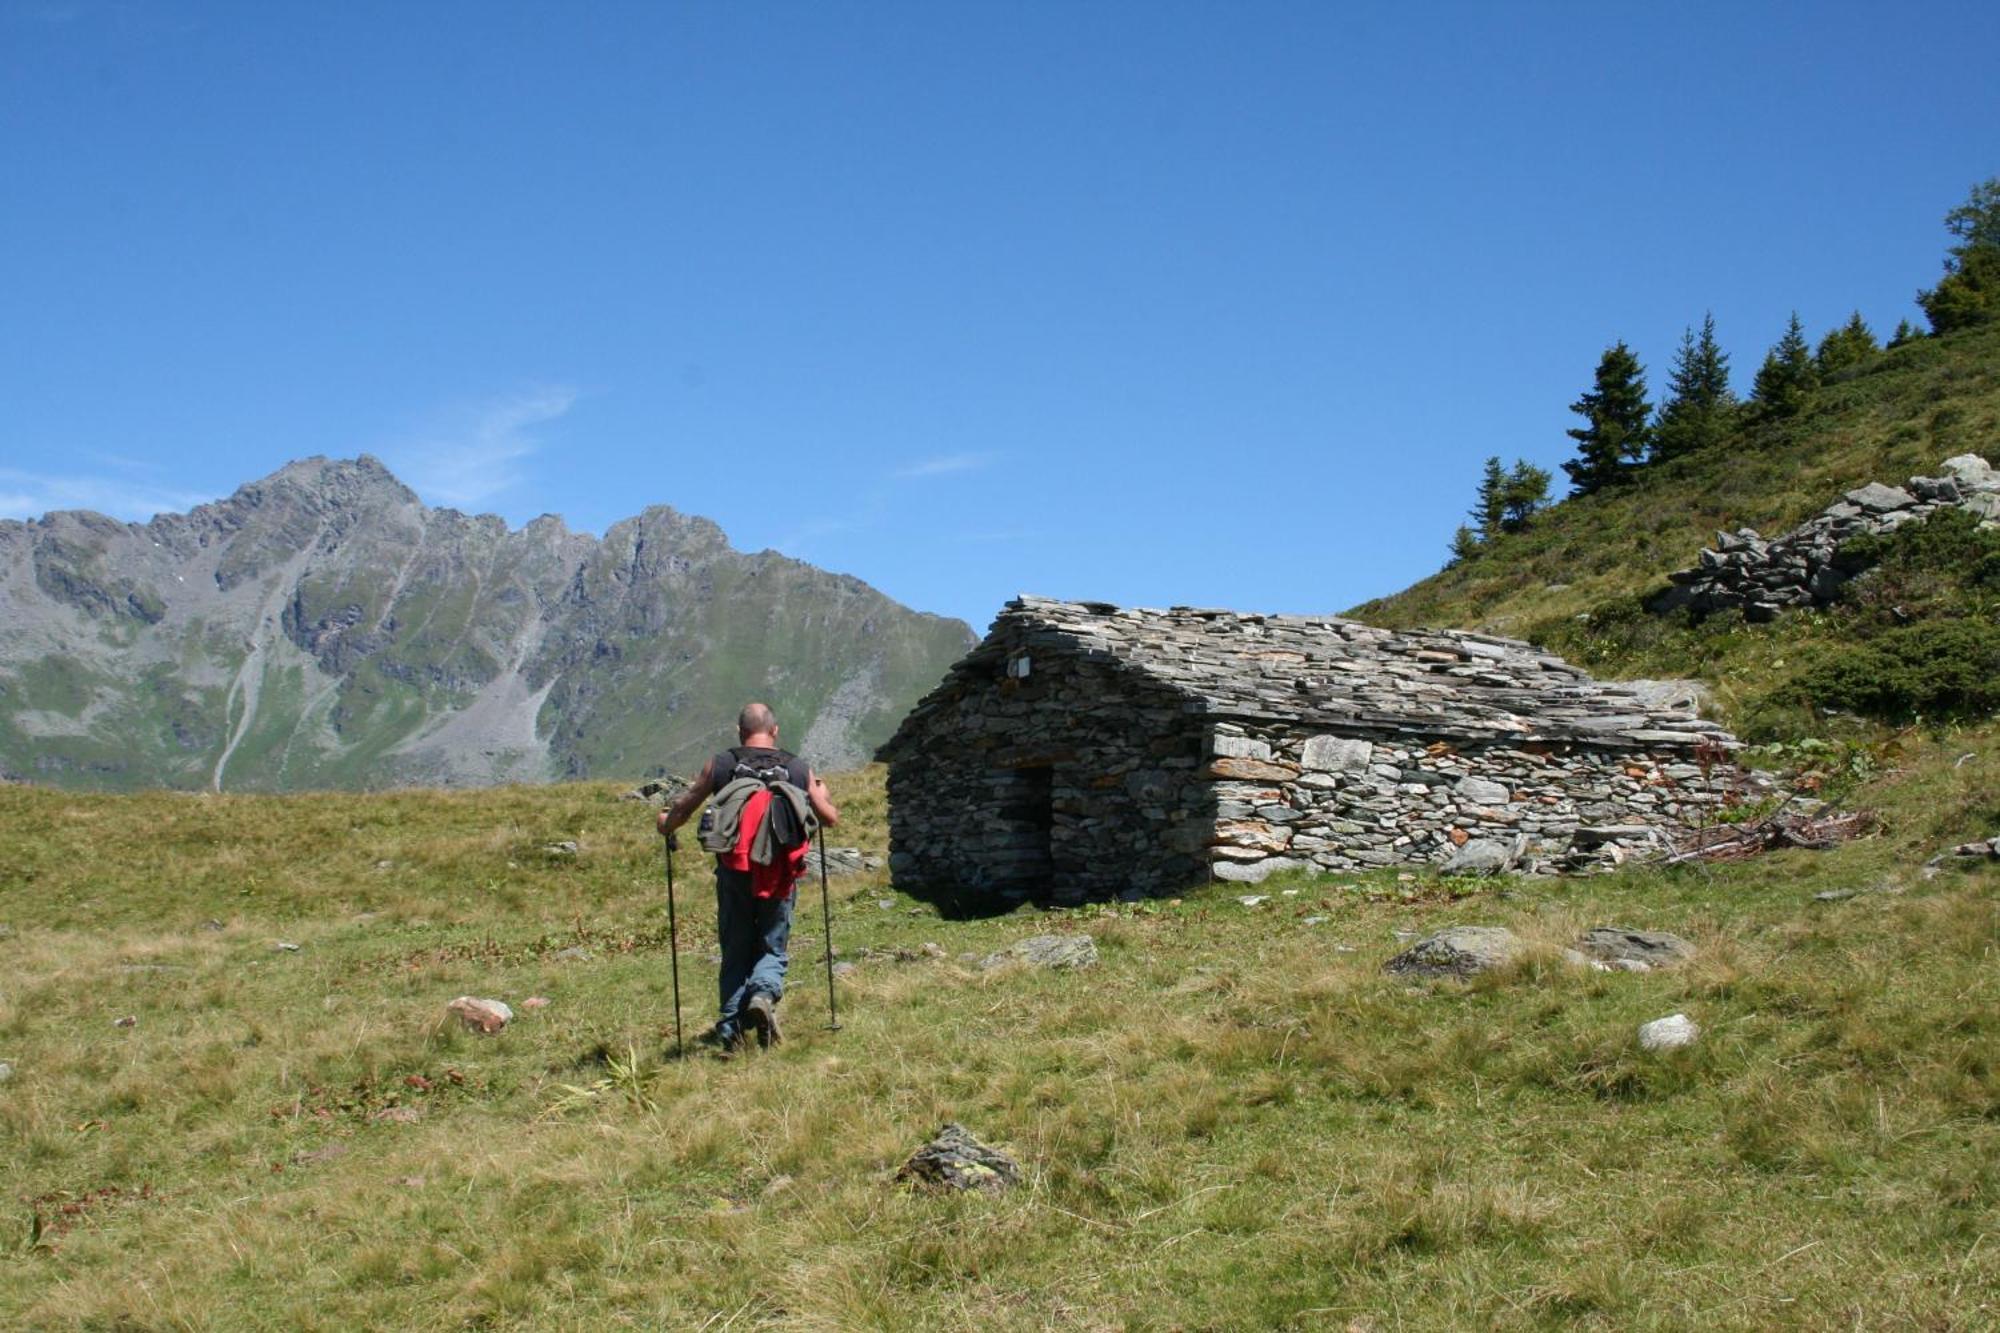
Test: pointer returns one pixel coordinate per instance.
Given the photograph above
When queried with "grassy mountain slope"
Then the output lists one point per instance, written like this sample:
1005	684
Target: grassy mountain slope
1575	580
1902	412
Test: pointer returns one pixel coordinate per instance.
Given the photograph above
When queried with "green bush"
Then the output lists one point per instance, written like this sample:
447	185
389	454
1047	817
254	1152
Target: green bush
1935	670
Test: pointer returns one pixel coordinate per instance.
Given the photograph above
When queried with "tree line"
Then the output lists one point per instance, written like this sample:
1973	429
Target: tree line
1621	432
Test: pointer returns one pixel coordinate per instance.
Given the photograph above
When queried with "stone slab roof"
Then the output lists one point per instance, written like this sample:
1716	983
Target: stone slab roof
1336	675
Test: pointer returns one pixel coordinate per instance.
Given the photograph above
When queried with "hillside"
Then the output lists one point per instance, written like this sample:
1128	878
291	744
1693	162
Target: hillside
323	628
1575	580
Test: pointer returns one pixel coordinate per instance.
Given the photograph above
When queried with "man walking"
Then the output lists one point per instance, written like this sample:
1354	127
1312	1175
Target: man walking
763	796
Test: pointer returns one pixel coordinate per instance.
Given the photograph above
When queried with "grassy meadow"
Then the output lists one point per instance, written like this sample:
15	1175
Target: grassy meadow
1235	1121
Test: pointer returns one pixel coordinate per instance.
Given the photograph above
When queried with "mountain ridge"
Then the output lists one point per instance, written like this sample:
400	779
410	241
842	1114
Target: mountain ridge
323	627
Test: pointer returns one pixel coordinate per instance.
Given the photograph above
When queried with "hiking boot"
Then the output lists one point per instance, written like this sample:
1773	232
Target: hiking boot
761	1013
723	1044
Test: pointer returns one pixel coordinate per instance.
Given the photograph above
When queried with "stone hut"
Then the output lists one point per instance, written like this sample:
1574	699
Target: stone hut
1086	751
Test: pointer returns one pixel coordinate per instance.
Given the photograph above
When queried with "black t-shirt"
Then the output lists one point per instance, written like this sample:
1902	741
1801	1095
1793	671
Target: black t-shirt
759	761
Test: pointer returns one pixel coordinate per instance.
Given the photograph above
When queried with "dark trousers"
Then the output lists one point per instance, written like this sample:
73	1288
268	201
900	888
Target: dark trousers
753	933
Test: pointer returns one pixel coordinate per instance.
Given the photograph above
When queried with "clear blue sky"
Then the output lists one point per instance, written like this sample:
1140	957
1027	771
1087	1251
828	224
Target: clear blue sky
1150	302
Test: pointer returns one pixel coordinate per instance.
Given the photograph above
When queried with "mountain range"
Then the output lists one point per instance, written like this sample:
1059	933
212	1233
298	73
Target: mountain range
324	628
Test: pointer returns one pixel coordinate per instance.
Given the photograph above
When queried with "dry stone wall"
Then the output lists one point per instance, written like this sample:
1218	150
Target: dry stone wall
1343	803
1746	572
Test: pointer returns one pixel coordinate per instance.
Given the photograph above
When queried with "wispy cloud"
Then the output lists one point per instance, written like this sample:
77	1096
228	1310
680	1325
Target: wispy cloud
472	454
32	494
943	465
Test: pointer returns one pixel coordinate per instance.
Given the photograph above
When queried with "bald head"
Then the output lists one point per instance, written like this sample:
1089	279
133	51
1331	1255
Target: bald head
755	720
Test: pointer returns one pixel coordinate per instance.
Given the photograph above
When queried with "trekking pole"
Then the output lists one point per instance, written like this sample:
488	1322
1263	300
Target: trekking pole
826	913
674	948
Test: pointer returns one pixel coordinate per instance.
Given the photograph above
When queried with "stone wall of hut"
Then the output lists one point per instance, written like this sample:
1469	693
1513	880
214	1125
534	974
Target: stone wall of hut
1071	783
1286	800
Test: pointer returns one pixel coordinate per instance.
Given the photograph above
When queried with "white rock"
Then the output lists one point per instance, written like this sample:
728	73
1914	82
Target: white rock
485	1017
1333	754
1668	1034
1239	747
1252	899
6	1071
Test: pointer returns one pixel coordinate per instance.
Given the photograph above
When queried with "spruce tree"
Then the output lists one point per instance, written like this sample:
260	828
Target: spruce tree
1699	406
1525	494
1787	376
1906	332
1615	433
1490	507
1849	345
1464	545
1970	291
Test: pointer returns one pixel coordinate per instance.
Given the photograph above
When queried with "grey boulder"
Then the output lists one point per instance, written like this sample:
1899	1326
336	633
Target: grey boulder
1619	945
955	1160
1061	952
1461	951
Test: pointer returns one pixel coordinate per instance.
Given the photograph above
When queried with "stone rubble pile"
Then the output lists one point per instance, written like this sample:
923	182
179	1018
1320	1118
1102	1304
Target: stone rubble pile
1761	577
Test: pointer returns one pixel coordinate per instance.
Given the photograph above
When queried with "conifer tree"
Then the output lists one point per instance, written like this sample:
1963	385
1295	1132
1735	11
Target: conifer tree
1489	509
1849	345
1906	332
1970	291
1464	545
1525	494
1787	376
1615	432
1699	407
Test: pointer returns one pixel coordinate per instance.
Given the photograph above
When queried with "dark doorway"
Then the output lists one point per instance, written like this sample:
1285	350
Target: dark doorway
1023	852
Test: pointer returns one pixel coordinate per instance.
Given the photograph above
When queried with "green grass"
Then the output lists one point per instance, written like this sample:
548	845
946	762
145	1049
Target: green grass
1235	1121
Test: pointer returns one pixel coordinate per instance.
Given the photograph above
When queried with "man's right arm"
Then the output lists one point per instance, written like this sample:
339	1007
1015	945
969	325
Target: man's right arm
677	814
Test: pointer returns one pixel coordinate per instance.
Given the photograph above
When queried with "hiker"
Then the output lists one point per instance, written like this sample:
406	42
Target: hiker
760	827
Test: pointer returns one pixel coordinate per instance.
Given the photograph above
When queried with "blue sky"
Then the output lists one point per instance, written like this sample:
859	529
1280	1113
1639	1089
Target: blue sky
1157	303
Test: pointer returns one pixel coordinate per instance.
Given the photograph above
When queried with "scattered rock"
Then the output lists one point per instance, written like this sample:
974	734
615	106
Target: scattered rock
1484	856
398	1115
885	904
6	1071
1835	895
535	1002
283	946
659	790
1313	921
1062	952
1668	1034
129	1021
575	953
1576	958
842	861
956	1160
410	1182
211	925
1621	944
385	865
561	849
844	970
1252	899
485	1017
777	1185
1460	951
